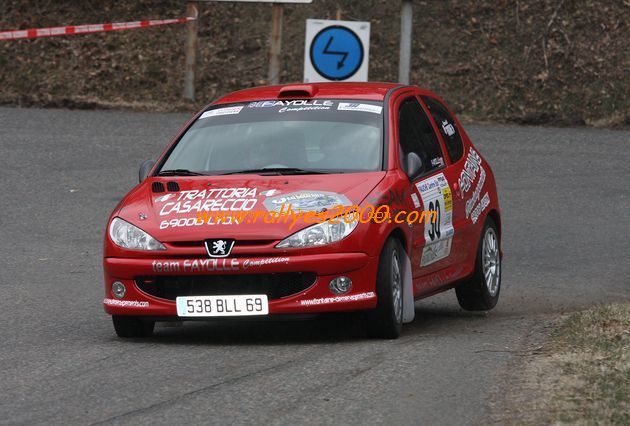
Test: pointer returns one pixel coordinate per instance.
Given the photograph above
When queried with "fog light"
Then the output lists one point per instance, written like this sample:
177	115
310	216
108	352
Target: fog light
340	285
118	289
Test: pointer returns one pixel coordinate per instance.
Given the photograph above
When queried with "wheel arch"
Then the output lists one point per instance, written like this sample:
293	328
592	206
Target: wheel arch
400	236
496	218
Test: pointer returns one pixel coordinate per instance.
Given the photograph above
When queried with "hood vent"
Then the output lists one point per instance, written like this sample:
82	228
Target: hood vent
172	186
157	187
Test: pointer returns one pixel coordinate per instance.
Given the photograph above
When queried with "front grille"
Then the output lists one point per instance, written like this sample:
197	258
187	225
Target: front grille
275	286
239	243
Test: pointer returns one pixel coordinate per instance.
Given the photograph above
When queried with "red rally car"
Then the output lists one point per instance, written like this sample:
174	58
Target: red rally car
219	225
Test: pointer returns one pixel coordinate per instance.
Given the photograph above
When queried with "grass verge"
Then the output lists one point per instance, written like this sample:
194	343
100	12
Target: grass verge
581	376
591	350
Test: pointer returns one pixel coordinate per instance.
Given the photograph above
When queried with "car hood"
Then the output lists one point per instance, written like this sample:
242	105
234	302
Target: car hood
166	207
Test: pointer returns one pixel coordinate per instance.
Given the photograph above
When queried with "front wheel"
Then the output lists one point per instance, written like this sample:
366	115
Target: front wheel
386	320
481	291
129	326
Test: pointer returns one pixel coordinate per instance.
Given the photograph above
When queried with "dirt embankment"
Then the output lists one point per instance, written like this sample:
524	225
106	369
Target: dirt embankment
539	61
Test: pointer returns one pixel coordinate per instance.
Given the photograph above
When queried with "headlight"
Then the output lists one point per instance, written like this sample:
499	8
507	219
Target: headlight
320	234
128	236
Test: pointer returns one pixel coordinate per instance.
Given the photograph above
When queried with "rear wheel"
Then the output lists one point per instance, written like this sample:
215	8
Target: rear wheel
386	320
481	292
129	326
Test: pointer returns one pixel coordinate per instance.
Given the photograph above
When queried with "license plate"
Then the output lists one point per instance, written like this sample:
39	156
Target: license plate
222	306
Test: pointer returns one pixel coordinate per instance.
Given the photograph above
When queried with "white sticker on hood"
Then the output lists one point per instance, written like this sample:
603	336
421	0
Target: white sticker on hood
306	201
214	199
165	197
270	192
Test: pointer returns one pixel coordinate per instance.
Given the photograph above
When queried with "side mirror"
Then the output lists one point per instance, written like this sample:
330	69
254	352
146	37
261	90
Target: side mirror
145	168
414	165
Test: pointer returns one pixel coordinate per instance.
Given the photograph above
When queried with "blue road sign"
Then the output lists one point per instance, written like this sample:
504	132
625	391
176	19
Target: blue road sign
336	53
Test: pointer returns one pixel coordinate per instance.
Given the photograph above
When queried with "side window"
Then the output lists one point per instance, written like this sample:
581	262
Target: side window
447	126
416	135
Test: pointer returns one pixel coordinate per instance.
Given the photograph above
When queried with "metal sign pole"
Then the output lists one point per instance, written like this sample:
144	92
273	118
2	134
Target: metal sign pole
277	10
191	51
406	22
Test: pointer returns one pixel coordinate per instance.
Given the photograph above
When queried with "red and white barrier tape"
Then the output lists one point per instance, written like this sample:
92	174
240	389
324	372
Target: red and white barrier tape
85	29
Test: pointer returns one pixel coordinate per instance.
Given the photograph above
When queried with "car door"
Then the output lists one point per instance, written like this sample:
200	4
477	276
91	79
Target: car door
450	136
431	242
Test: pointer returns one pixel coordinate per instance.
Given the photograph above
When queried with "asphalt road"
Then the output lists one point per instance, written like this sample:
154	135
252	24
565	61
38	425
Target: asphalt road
565	200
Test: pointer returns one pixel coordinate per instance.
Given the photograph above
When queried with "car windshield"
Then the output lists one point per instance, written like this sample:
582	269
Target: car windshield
298	136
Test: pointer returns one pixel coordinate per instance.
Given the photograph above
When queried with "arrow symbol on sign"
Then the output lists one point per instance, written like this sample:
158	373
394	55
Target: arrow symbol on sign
344	55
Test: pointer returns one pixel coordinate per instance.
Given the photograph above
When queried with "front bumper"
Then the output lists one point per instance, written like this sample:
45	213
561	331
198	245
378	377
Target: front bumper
317	298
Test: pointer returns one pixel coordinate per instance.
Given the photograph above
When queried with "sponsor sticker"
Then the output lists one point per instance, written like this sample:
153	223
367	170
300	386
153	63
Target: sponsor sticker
295	105
301	109
221	111
469	174
436	251
347	106
126	303
416	201
254	263
481	206
338	299
306	201
448	128
214	264
475	195
291	103
217	199
473	171
195	265
437	162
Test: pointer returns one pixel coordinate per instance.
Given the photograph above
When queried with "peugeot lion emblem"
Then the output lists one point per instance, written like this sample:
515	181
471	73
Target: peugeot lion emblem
219	247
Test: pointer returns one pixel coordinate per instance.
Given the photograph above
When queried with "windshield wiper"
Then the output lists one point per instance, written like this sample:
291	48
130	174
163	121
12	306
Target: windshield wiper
179	172
278	170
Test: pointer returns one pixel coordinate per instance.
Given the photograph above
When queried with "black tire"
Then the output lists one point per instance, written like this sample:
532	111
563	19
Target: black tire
475	294
386	320
132	327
